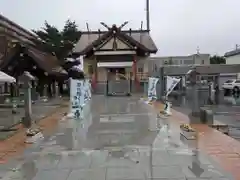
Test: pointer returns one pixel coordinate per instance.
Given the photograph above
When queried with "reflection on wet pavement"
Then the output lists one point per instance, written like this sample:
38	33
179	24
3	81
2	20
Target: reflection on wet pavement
226	112
122	138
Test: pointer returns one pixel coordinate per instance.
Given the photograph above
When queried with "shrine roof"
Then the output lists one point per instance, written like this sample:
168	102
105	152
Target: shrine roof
91	39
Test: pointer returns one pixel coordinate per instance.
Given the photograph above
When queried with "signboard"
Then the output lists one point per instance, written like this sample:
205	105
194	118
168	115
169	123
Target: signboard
152	92
171	84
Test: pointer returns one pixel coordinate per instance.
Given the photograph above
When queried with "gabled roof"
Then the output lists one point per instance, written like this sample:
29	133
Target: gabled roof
6	59
136	38
232	53
7	23
45	61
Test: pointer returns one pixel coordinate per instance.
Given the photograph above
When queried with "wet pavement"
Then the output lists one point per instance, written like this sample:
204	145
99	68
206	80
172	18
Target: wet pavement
40	109
120	138
227	111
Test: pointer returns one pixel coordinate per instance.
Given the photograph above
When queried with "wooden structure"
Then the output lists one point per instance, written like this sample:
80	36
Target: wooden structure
20	51
42	65
11	32
114	54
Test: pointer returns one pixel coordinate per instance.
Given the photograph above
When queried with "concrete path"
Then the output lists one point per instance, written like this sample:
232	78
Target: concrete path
122	138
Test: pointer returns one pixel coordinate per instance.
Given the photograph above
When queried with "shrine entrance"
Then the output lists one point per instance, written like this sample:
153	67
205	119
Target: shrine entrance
117	74
118	82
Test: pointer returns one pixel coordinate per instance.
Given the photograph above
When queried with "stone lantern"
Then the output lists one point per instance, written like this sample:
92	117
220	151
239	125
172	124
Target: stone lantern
26	78
192	75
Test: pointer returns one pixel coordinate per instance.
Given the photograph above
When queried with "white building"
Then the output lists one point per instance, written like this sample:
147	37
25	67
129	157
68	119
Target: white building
233	57
154	63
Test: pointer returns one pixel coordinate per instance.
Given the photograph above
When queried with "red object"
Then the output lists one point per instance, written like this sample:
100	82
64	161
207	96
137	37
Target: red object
134	67
94	81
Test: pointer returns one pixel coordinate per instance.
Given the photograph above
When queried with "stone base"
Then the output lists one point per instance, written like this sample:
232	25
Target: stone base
34	139
189	135
32	132
165	113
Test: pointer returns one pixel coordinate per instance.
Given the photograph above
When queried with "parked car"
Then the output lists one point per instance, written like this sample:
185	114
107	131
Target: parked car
231	85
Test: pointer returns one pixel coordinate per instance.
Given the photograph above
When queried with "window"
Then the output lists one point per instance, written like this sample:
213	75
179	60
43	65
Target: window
237	81
166	62
140	69
188	61
155	68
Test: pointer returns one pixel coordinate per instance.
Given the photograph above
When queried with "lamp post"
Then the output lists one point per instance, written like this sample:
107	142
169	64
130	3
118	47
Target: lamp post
26	78
195	102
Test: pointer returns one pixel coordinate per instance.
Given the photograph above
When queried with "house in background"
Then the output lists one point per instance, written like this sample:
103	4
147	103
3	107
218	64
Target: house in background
195	59
233	57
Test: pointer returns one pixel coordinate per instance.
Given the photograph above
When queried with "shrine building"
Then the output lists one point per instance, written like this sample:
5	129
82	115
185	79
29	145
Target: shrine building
114	54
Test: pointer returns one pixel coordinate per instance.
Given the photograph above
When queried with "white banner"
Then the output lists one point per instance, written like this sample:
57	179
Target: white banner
76	98
171	83
152	92
87	90
80	66
80	95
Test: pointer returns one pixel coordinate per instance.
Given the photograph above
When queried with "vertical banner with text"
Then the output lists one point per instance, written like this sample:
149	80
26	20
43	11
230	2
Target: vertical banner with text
89	89
152	91
77	98
171	84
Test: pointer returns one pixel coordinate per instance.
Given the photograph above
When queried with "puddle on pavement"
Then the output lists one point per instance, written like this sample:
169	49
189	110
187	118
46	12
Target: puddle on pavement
113	129
226	111
185	101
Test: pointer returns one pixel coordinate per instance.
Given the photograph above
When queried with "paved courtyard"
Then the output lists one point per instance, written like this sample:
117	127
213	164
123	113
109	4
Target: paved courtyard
120	138
39	111
226	112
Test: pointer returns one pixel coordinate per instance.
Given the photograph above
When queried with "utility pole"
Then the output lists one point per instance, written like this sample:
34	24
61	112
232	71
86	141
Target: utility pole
198	50
237	46
147	15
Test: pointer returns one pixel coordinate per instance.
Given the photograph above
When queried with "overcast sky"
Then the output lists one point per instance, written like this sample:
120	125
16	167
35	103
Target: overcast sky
177	26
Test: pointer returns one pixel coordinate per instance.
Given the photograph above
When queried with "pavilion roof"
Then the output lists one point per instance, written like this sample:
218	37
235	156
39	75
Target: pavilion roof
45	61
